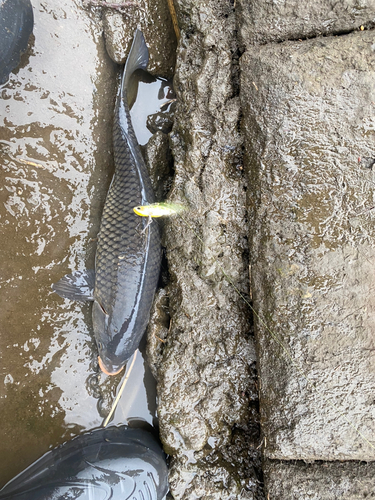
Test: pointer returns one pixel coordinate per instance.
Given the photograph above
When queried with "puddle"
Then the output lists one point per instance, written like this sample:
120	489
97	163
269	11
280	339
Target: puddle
56	115
150	95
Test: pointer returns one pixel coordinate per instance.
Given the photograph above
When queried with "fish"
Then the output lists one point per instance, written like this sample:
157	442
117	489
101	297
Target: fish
116	462
16	26
128	254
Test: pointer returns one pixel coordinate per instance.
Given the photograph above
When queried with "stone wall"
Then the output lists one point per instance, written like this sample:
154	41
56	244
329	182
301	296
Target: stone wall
308	120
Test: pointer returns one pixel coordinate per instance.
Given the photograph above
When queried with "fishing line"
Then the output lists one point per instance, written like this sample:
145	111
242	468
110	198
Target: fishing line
117	399
279	342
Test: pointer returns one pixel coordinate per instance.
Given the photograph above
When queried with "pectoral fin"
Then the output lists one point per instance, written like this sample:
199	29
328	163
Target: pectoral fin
76	286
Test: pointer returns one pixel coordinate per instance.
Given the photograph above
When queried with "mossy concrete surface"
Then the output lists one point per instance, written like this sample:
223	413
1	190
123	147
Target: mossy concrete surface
264	21
322	481
308	119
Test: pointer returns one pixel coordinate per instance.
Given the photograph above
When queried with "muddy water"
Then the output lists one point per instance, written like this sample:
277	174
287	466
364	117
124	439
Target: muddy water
55	155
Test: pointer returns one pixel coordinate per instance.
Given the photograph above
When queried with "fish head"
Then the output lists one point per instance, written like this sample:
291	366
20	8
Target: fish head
107	366
117	335
109	363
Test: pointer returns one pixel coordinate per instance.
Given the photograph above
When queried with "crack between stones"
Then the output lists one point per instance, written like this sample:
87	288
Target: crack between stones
312	463
370	26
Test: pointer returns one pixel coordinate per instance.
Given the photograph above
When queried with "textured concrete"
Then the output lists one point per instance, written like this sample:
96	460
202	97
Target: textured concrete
265	21
323	481
308	116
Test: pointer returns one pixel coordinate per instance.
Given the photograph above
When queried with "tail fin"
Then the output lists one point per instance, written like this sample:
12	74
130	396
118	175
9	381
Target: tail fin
137	58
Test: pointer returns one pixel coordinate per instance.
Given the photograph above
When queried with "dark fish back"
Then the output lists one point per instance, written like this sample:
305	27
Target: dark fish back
128	255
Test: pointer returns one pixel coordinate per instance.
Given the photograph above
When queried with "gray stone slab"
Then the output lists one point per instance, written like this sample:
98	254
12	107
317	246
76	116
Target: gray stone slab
323	481
265	21
308	113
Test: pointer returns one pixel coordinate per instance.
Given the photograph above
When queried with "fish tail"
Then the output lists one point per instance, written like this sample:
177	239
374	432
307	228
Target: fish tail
137	58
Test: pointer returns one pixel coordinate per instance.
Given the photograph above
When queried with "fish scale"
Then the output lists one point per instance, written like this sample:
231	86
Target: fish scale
128	255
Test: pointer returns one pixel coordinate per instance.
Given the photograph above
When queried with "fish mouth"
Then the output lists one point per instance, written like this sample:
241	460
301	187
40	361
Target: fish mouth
104	369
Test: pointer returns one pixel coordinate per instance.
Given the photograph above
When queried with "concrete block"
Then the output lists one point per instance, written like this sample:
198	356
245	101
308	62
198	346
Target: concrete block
308	113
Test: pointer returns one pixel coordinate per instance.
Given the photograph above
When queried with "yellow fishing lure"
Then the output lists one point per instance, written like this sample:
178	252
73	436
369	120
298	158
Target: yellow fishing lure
159	209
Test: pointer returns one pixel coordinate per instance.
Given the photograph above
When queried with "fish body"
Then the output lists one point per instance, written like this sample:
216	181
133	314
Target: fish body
128	255
117	463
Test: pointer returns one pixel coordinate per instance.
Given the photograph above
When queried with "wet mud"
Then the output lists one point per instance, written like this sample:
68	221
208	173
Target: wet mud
56	164
200	341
